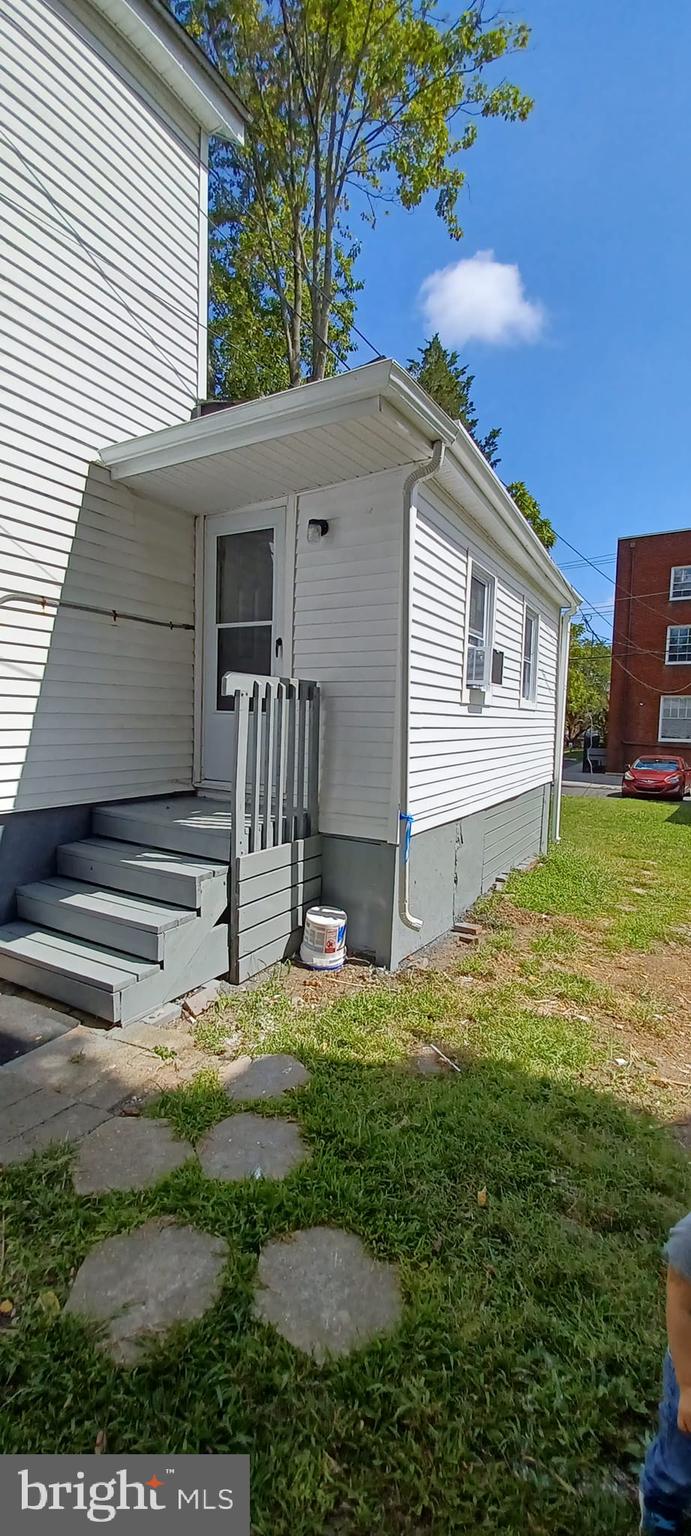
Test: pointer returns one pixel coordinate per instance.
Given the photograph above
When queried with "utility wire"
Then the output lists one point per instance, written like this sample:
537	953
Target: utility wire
65	219
619	590
119	290
670	693
215	175
573	565
638	650
46	222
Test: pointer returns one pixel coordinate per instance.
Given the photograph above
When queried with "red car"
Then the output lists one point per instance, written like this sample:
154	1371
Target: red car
651	775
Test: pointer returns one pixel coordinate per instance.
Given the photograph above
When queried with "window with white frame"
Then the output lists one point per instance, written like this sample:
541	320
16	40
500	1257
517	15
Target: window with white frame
675	717
678	643
479	629
529	659
680	583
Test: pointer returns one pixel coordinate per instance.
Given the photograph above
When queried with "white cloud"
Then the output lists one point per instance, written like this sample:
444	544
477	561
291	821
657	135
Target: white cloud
480	299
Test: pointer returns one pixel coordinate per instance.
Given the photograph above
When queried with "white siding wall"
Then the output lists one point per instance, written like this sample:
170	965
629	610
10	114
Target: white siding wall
99	279
462	761
346	635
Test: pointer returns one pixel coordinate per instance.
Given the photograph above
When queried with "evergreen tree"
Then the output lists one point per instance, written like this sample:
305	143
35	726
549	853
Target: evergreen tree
532	512
449	382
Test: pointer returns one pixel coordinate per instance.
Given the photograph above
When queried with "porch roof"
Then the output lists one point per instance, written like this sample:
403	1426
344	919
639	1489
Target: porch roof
374	418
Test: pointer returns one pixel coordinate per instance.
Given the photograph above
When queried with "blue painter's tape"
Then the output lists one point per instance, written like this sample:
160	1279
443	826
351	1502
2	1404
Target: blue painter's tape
407	819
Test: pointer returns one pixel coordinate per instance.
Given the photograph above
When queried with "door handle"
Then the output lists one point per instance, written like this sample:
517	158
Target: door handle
279	648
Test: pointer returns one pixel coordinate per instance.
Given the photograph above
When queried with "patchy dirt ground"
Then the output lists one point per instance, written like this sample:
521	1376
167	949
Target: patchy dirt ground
640	1010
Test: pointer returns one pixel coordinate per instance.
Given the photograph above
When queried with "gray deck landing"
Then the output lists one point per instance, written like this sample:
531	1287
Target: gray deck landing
135	914
152	906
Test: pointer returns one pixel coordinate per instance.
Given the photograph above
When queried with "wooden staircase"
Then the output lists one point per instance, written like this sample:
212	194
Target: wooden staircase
168	893
135	915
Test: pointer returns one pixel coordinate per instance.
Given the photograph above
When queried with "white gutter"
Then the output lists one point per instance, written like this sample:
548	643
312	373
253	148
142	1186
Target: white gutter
472	460
158	37
419	473
373	389
565	617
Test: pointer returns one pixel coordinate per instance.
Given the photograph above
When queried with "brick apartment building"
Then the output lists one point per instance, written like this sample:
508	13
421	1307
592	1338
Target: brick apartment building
650	700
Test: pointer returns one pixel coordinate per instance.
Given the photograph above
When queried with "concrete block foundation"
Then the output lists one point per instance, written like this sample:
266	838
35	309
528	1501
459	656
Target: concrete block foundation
450	866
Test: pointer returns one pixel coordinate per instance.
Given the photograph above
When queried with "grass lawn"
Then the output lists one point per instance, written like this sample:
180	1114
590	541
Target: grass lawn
518	1392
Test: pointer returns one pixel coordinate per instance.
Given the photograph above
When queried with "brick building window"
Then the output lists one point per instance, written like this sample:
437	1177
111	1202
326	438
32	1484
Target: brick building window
675	718
678	643
680	583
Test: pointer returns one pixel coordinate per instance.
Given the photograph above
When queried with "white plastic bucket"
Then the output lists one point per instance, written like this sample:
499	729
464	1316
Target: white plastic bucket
323	941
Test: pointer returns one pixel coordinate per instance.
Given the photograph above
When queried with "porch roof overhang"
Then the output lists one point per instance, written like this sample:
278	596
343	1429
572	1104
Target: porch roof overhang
374	418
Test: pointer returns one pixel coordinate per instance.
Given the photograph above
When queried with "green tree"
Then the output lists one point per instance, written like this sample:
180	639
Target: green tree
532	512
353	103
587	694
449	382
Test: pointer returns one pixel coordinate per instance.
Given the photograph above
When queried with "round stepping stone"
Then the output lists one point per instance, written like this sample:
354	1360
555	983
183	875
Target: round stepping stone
250	1146
127	1153
140	1283
264	1078
324	1293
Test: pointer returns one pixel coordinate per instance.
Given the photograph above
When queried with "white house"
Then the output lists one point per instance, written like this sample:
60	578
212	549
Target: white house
159	567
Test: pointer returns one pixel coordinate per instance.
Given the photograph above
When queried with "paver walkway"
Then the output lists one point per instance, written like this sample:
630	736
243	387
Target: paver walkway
252	1147
324	1292
265	1077
66	1088
27	1021
140	1283
128	1154
319	1288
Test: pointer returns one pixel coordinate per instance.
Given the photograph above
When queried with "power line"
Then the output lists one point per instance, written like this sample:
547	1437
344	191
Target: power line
569	565
367	341
94	260
638	650
670	693
46	222
619	590
582	559
215	175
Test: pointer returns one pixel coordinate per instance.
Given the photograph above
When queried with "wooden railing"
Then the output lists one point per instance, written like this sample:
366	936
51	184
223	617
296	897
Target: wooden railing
275	767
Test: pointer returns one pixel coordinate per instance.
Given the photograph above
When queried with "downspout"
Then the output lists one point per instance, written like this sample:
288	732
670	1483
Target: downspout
565	617
421	472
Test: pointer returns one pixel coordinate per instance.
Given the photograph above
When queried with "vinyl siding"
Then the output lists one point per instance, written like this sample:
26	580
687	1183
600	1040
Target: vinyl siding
96	706
346	635
100	287
462	761
513	834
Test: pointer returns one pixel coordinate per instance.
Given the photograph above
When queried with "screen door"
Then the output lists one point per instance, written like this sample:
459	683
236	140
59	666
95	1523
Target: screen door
243	563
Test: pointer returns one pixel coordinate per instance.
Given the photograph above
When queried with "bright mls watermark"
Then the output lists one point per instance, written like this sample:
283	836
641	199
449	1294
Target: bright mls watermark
64	1492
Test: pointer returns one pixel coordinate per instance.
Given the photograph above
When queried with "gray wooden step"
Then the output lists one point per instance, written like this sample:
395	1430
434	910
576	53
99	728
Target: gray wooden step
84	975
182	823
164	877
112	918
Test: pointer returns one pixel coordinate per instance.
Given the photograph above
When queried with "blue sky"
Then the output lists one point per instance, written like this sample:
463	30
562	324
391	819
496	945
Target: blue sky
591	200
